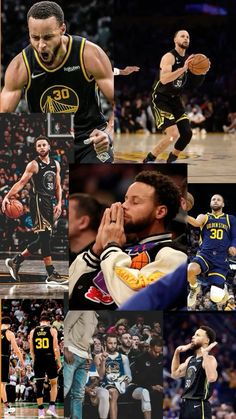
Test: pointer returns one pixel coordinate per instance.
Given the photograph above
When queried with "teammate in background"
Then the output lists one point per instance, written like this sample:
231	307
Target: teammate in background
61	73
114	371
44	174
8	341
125	71
217	242
168	110
200	371
45	353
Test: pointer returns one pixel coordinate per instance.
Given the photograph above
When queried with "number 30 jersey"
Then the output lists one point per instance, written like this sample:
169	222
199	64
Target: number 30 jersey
64	89
42	341
218	233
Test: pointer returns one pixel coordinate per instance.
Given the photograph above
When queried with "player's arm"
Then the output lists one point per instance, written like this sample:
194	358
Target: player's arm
177	369
100	362
32	354
232	248
31	168
11	337
197	222
58	192
56	348
127	370
166	73
16	78
209	363
98	65
125	71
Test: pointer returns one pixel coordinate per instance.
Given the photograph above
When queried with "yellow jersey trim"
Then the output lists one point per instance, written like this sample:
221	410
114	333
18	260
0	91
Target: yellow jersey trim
60	65
91	78
198	256
28	71
216	273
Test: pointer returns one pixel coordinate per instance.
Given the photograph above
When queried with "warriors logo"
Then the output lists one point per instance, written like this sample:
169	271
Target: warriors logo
59	99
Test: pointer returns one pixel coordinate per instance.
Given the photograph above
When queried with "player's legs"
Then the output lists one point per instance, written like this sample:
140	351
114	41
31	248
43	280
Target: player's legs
143	394
185	132
14	264
102	395
53	396
194	269
171	135
39	395
113	403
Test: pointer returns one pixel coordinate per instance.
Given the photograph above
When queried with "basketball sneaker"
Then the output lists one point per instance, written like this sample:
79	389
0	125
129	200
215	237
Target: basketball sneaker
52	411
13	268
9	410
192	296
56	279
41	414
150	158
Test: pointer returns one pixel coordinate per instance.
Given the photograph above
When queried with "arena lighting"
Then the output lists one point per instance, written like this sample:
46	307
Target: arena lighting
207	9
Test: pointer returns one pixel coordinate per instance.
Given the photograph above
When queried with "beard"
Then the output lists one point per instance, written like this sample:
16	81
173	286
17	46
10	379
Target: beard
196	346
138	226
183	46
53	54
216	208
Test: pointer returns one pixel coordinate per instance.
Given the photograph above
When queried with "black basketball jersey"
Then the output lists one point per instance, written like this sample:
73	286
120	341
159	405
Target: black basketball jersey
175	87
45	180
42	341
6	344
196	384
65	89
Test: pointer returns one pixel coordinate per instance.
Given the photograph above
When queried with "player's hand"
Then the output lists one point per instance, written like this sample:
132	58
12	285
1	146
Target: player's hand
113	228
100	140
57	211
97	247
69	356
232	251
186	63
205	351
59	366
128	70
22	364
5	202
184	348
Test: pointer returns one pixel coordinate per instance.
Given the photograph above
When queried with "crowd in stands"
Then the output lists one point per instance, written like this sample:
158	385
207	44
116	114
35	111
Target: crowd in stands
178	330
17	149
25	315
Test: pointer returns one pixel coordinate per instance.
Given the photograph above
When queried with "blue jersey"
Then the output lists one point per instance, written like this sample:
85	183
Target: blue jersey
218	233
114	369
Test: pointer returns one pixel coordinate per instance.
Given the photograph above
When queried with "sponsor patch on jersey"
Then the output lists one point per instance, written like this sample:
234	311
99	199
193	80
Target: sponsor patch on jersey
73	68
59	99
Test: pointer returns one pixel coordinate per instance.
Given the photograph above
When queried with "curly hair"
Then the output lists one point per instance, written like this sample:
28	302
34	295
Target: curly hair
46	9
166	191
209	332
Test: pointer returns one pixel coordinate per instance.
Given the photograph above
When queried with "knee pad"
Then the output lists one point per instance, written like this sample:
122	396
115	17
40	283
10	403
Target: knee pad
34	246
217	294
185	135
145	401
44	237
39	388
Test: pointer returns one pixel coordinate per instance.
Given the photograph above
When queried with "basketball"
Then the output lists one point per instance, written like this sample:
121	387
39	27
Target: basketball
14	209
199	65
190	201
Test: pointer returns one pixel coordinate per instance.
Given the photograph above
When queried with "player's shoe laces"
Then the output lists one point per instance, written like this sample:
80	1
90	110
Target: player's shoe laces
56	279
9	411
13	268
192	296
41	413
52	411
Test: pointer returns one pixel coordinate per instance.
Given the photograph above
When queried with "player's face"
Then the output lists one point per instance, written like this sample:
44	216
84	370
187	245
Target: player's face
111	345
42	148
182	39
217	202
126	340
139	208
199	339
46	37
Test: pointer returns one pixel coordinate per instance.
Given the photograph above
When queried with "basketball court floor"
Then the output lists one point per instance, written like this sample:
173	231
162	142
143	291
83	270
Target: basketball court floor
30	411
32	281
211	159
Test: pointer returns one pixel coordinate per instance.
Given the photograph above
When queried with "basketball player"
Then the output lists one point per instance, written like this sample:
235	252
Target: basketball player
111	271
167	107
217	242
200	371
44	174
8	341
62	73
114	371
45	353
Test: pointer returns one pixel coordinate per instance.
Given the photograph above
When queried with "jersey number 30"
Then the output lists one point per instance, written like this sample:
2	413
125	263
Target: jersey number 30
216	234
42	343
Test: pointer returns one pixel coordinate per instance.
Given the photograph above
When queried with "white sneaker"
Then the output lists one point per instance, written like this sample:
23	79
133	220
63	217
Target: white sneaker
9	410
192	296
